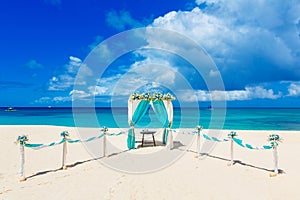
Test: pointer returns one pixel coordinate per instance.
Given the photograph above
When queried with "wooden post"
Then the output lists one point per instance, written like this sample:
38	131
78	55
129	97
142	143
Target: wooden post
104	144
64	155
232	134
275	156
64	134
274	139
231	151
22	161
198	144
170	139
199	129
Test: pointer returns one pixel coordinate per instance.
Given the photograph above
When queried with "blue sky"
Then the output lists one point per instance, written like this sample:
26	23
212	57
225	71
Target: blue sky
255	45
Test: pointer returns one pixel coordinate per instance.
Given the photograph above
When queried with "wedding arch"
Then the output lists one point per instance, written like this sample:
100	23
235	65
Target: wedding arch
137	107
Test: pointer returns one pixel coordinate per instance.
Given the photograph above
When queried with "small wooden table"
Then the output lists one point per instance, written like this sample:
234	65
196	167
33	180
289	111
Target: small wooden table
148	132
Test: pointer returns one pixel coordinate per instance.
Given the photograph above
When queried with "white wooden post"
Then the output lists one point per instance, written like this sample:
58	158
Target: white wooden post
104	144
64	154
22	161
274	139
275	156
199	129
198	144
231	135
170	139
231	151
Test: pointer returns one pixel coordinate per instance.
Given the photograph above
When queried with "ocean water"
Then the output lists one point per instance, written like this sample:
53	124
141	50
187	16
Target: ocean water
231	118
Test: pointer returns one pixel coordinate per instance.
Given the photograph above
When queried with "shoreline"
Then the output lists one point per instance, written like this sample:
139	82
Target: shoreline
190	128
192	177
235	119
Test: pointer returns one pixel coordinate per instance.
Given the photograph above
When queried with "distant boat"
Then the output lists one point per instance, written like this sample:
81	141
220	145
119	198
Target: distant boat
10	109
210	108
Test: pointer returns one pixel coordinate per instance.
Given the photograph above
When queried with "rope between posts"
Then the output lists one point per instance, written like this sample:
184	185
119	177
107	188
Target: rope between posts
212	138
40	146
249	146
238	141
22	140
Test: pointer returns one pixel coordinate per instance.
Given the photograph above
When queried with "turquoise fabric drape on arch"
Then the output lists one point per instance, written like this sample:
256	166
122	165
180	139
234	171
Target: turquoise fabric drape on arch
161	112
138	114
131	139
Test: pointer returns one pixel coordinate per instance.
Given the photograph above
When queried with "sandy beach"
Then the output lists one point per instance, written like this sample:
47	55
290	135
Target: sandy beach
187	178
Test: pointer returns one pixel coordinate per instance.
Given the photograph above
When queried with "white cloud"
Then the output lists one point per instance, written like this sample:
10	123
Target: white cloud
203	28
103	53
213	73
75	60
121	20
85	70
66	79
96	42
249	93
79	94
61	99
259	92
139	74
33	64
74	64
243	41
73	95
43	100
198	2
238	38
50	100
153	69
61	83
294	89
97	90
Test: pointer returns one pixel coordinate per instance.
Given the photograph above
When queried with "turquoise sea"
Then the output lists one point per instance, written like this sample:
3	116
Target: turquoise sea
231	118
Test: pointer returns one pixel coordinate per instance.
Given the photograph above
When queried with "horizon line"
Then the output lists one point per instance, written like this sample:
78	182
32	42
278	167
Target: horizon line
204	107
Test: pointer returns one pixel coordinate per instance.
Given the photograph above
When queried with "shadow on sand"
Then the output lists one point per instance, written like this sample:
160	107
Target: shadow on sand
73	165
280	171
61	168
176	145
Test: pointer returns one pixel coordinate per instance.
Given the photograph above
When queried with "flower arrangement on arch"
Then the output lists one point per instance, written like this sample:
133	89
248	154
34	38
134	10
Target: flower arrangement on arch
157	96
168	96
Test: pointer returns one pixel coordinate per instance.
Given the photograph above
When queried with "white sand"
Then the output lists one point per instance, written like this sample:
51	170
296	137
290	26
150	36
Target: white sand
188	178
